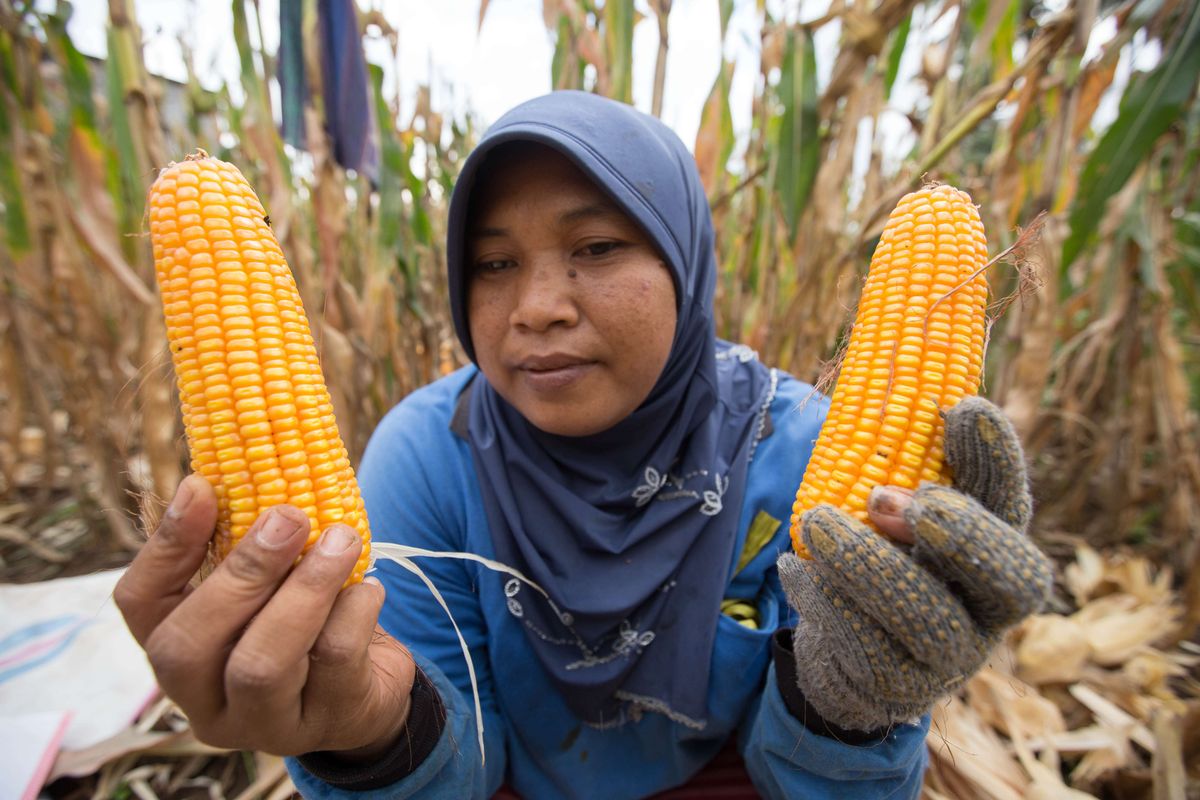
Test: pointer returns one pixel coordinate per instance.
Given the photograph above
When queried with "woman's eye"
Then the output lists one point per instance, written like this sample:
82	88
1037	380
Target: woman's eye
493	265
599	248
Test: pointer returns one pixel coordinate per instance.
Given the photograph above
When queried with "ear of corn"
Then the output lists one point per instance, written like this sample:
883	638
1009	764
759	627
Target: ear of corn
915	350
258	416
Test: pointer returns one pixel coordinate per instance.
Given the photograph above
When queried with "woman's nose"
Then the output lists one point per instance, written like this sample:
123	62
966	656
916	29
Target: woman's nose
545	297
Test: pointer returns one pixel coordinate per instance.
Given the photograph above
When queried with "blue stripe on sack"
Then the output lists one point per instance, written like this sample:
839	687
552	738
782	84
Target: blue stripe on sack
66	628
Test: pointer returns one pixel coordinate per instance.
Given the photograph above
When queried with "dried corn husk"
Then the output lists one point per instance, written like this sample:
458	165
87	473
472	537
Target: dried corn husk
1075	700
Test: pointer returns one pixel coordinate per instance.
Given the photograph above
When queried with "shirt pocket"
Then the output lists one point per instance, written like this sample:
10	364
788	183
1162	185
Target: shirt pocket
741	655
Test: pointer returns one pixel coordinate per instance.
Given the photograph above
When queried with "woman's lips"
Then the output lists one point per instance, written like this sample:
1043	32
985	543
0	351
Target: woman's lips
549	376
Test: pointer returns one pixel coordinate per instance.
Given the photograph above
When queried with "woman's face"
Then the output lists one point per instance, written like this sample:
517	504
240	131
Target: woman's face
570	307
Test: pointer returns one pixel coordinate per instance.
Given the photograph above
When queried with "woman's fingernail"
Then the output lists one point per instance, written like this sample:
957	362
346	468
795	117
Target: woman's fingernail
336	540
277	528
889	501
183	498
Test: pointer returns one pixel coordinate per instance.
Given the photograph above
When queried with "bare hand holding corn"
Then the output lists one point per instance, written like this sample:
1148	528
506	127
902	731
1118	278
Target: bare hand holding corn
271	651
264	655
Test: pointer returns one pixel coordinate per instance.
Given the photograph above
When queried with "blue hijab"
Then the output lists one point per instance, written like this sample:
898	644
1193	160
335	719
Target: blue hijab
629	530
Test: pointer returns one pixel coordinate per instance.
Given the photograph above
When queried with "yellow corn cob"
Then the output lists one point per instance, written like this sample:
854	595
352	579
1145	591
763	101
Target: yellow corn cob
915	350
257	413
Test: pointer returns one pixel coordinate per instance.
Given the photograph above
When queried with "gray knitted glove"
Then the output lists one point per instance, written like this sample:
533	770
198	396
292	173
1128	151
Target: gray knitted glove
887	629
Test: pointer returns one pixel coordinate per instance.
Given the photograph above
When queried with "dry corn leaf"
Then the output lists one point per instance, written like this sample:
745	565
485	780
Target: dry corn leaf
1052	649
1117	639
163	707
12	510
130	742
1170	778
185	773
78	763
14	535
1046	782
1098	764
1105	606
933	794
1047	785
1020	708
1081	740
139	780
968	757
1084	576
1059	791
270	770
1136	576
1191	738
1012	707
1107	713
1117	626
1117	687
1151	670
285	790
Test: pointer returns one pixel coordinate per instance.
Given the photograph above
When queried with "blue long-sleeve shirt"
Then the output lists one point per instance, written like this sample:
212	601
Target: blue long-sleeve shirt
420	489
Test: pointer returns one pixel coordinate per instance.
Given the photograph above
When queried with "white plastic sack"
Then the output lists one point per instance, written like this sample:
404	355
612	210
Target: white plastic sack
71	675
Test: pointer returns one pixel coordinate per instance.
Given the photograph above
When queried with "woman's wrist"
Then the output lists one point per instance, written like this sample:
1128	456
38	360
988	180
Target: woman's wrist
380	747
797	704
392	758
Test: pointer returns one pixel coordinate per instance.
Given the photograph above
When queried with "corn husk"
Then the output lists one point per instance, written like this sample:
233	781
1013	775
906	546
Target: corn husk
1075	701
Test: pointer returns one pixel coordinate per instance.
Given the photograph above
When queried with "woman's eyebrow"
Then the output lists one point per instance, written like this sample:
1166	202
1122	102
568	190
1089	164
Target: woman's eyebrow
599	210
486	232
589	211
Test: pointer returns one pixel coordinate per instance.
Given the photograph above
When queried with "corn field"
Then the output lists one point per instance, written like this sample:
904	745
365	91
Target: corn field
1032	107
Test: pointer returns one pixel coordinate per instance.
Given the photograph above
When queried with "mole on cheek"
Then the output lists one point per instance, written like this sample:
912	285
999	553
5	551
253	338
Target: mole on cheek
571	273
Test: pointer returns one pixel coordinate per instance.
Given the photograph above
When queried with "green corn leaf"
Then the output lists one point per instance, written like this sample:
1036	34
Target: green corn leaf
8	66
726	14
76	74
391	167
117	77
899	40
618	40
258	99
715	137
422	228
233	116
977	14
1144	12
1185	272
565	69
797	143
763	249
1006	37
1149	107
1191	147
1135	229
241	35
16	227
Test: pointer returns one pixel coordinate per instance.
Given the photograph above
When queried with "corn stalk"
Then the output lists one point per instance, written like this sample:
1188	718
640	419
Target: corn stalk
1099	369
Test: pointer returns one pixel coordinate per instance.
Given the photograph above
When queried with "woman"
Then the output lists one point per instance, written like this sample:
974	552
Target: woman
608	446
